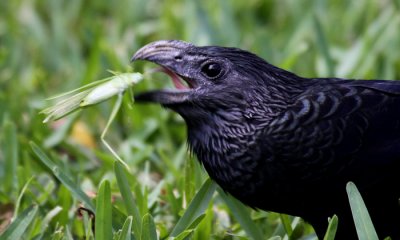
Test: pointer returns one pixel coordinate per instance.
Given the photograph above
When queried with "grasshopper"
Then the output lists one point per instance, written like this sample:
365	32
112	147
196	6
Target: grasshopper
92	94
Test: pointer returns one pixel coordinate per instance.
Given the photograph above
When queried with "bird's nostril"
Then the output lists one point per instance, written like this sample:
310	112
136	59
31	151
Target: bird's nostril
178	57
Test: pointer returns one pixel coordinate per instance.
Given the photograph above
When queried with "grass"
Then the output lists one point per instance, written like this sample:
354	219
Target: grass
51	188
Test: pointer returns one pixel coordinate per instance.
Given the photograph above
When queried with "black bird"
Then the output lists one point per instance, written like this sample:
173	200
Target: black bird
284	143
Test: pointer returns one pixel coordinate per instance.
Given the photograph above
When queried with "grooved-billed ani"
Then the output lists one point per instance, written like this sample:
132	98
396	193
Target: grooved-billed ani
284	143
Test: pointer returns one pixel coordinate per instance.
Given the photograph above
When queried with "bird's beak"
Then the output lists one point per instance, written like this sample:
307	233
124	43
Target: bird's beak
162	52
169	55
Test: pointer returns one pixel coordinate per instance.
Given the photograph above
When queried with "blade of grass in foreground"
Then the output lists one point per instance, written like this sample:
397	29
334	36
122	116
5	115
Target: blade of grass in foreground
68	183
332	227
196	207
365	228
128	199
125	233
241	214
21	223
149	231
103	223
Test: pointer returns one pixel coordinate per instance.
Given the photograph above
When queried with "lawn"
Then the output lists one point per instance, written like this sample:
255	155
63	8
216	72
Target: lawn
55	177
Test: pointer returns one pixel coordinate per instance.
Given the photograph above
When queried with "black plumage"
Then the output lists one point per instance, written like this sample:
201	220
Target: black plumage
284	143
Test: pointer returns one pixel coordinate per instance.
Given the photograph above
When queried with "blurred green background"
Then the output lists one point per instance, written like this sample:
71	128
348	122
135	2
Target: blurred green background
52	46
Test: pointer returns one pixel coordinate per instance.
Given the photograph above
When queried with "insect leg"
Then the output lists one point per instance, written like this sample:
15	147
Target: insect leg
114	112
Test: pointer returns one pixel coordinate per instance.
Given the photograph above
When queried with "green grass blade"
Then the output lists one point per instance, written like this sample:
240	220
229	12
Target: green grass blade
189	180
68	234
128	199
68	183
149	231
174	201
21	223
50	216
103	223
118	217
206	226
275	238
286	224
183	235
197	221
241	214
190	229
46	222
155	194
332	228
21	194
141	194
365	228
10	156
196	207
323	45
126	230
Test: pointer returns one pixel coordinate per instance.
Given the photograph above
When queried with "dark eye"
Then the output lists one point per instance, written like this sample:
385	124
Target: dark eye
211	70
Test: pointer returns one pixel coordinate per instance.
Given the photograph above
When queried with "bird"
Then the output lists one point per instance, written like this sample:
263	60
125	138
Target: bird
280	142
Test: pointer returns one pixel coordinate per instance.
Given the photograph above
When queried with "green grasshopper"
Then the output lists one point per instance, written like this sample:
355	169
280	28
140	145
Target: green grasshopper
91	94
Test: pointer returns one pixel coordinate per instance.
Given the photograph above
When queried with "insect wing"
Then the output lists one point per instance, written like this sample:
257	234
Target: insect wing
64	107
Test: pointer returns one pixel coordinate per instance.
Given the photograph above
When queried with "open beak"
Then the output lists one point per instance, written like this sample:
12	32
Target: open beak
169	55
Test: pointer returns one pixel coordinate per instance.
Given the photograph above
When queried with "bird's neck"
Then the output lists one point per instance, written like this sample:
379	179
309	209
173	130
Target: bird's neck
222	146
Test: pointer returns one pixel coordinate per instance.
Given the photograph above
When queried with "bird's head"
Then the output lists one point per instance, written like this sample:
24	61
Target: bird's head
227	97
213	79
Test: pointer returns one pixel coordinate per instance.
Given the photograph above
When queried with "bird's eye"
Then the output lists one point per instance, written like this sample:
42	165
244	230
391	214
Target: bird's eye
212	70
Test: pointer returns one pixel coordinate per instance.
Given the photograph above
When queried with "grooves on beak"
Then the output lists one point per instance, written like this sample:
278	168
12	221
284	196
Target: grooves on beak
160	50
